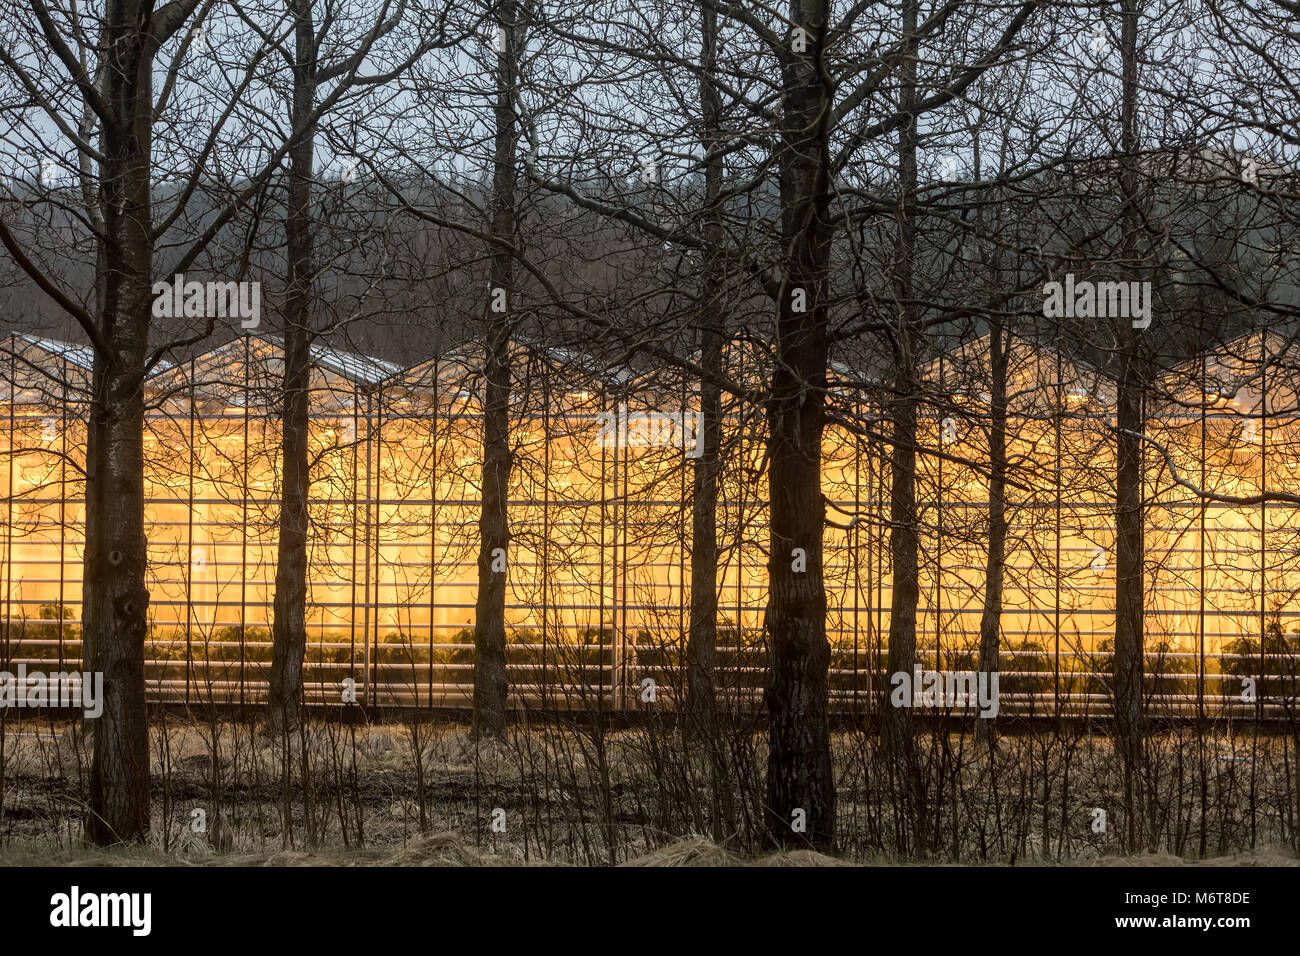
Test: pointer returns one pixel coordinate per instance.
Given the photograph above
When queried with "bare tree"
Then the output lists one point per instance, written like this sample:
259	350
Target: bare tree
490	686
701	690
1135	371
120	93
341	75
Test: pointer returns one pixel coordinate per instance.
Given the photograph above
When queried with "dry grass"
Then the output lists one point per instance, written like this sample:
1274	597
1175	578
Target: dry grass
445	849
628	797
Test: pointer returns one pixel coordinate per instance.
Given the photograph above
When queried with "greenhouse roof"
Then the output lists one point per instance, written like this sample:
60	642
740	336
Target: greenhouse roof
247	373
1033	368
1244	375
45	372
82	356
357	368
466	361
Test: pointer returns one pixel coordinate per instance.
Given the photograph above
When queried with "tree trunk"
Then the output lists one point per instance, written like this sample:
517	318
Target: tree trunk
289	626
116	599
1129	424
701	701
1129	575
904	550
701	690
991	615
904	537
800	784
490	686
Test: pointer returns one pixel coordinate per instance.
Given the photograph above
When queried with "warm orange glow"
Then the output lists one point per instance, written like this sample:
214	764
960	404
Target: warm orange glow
602	534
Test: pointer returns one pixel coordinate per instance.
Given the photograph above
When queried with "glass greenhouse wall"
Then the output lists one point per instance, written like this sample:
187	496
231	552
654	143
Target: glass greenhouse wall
599	567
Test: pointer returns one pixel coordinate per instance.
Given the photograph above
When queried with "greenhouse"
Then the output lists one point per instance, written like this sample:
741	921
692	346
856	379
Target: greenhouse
599	565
